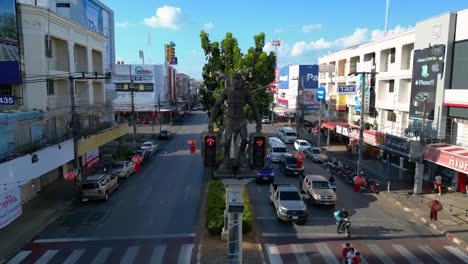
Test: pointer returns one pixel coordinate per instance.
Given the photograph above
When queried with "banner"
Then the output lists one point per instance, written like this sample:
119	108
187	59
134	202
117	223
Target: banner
93	16
92	158
9	51
10	206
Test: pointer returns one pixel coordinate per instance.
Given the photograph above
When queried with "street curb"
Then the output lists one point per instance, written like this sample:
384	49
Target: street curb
429	223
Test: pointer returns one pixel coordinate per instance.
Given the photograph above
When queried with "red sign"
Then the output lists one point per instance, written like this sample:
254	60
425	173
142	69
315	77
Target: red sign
259	142
456	160
210	141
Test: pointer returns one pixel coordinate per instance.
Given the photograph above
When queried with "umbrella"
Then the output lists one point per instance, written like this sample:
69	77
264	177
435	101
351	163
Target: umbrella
359	180
435	205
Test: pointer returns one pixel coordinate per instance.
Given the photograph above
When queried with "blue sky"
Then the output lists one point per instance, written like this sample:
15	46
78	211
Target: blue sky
307	28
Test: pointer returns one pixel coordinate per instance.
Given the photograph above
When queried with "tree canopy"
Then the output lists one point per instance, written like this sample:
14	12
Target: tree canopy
227	58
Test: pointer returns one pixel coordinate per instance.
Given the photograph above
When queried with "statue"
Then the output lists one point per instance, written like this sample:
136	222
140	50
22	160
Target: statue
235	96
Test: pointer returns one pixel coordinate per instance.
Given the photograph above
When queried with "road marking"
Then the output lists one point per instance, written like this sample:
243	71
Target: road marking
380	254
83	239
312	235
185	254
102	256
19	257
47	257
407	255
157	255
428	250
300	253
273	254
130	255
326	253
74	256
457	252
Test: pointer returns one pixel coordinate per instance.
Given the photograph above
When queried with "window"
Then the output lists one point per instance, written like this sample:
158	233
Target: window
50	88
391	116
391	86
392	55
48	47
6	90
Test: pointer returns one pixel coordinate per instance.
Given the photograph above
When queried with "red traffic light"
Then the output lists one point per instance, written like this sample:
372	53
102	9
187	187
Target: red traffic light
259	142
210	141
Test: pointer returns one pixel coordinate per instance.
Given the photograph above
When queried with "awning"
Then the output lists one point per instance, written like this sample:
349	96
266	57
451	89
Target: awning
332	124
450	156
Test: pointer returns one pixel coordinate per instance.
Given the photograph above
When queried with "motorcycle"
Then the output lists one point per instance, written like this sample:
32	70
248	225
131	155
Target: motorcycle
370	186
345	226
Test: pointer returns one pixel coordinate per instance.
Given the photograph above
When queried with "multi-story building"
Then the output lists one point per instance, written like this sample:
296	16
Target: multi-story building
404	105
61	59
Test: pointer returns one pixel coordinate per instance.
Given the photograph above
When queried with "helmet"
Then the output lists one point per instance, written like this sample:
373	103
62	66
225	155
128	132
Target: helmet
343	210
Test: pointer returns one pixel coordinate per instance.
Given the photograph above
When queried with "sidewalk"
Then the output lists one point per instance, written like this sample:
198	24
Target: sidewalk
48	206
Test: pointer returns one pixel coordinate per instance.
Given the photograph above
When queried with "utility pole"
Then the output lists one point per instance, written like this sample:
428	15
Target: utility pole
159	111
276	44
133	108
319	124
361	121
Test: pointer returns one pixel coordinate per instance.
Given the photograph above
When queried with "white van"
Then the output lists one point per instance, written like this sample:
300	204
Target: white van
276	149
287	134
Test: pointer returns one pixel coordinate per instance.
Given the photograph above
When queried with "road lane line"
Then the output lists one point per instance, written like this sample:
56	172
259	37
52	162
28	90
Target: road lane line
457	252
74	256
300	253
102	256
326	253
407	255
185	254
428	250
380	254
157	255
47	257
19	257
130	255
81	239
273	254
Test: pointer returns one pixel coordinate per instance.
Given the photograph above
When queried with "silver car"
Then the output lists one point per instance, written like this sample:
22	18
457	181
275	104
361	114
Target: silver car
99	187
150	146
122	169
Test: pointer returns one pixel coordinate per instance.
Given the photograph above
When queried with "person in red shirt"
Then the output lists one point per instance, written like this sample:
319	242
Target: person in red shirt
345	251
356	259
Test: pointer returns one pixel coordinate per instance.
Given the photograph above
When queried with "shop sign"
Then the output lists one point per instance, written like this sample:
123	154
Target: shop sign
92	158
397	144
10	206
370	136
446	159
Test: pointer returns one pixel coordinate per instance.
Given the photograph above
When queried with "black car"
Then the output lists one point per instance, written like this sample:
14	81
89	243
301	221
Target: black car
165	134
144	154
289	166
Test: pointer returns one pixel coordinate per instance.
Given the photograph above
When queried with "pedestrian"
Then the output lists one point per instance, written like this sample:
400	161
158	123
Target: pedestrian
438	184
350	255
356	259
345	251
435	206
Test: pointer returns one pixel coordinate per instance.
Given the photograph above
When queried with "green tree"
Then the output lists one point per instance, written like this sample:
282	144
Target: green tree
226	58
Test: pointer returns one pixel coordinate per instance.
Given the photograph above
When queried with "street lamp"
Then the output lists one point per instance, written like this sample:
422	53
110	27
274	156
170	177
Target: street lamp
420	100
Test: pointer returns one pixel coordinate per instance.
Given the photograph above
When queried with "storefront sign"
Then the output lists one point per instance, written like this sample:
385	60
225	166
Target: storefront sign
371	137
10	57
444	157
347	89
92	158
397	144
10	206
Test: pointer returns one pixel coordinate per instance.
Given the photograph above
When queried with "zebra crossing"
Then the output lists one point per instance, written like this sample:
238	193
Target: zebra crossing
389	251
74	251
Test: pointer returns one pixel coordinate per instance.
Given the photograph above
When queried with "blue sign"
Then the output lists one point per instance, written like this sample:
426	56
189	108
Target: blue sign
7	100
283	82
357	108
321	94
173	61
347	89
9	46
309	74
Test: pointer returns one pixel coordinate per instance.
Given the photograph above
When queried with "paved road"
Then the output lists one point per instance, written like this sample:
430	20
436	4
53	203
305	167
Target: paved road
381	232
152	218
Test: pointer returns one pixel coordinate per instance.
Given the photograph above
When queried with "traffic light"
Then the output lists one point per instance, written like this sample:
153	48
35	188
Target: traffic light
210	151
258	152
168	52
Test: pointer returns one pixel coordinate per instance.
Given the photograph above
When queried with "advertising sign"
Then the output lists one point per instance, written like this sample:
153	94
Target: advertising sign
427	64
346	89
309	74
10	206
9	51
92	158
92	16
284	78
321	94
367	86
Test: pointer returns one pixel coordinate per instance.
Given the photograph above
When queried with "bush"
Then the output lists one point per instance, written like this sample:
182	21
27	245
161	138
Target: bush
216	204
247	218
122	153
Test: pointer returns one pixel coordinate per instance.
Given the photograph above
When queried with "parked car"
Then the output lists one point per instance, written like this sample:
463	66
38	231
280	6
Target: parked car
301	144
150	146
98	187
319	190
165	134
122	168
266	120
289	165
145	155
315	154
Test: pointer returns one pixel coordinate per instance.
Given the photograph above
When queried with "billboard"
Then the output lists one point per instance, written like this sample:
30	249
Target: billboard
308	75
92	15
427	64
9	50
283	82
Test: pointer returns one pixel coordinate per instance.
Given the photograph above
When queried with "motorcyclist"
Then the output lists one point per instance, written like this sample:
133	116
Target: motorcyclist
331	179
340	216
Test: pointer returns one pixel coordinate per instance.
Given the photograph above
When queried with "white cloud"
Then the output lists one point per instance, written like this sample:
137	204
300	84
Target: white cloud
208	26
359	36
310	28
123	24
166	17
283	49
376	34
279	30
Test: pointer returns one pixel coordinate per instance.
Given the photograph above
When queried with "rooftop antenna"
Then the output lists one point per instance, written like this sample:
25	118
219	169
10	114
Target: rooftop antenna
149	48
387	8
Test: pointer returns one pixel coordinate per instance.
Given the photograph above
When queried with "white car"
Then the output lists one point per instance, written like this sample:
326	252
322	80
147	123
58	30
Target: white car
122	169
315	154
266	120
150	146
301	144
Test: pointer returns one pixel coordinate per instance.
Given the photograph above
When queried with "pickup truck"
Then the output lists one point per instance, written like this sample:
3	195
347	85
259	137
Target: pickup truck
288	203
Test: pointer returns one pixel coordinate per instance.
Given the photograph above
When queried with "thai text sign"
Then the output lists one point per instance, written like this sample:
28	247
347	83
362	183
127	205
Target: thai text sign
10	206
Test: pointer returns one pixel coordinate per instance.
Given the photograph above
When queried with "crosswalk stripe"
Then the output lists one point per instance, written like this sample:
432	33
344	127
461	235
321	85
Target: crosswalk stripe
47	256
429	251
74	256
299	251
457	252
326	253
102	256
407	255
185	254
273	254
19	257
157	255
380	254
130	255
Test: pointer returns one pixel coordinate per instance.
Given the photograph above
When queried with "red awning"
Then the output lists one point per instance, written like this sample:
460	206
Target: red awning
450	156
329	125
